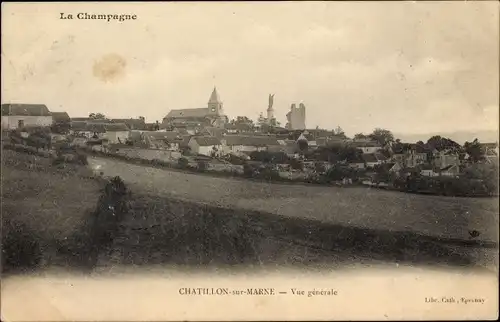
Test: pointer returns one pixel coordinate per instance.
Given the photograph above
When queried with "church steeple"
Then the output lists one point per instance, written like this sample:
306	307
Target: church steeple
215	104
214	98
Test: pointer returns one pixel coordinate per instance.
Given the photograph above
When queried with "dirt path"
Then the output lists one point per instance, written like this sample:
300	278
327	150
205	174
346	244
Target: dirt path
443	217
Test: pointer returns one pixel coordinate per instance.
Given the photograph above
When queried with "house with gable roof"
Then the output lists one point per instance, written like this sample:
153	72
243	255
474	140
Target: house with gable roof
16	116
206	145
248	143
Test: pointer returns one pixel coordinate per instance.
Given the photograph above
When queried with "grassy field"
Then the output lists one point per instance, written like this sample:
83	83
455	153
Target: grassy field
48	204
437	216
165	231
166	225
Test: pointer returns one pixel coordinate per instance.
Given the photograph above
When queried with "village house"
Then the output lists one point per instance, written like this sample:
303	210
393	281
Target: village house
491	152
443	159
116	132
357	164
16	116
247	144
81	129
410	158
451	170
367	146
112	132
289	147
373	159
168	140
428	170
490	148
327	141
213	131
206	145
132	124
60	117
238	128
61	122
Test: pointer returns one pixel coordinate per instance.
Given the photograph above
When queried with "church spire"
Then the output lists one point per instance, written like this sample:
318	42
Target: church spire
214	98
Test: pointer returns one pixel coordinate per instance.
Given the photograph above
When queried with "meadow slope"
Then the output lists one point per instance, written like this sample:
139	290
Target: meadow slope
437	216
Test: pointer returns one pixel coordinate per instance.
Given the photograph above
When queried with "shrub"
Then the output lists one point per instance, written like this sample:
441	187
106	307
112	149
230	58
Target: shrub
319	167
202	166
20	247
248	170
269	173
296	164
183	163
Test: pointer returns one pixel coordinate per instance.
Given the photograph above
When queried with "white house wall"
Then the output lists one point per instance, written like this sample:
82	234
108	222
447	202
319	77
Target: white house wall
207	150
369	149
114	136
11	122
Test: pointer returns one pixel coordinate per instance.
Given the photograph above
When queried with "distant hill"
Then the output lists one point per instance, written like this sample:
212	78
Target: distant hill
458	136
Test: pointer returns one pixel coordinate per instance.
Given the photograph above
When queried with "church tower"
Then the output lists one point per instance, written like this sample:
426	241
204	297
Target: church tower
215	104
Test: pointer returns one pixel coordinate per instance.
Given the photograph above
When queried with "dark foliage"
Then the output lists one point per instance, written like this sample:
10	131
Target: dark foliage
20	247
183	163
202	166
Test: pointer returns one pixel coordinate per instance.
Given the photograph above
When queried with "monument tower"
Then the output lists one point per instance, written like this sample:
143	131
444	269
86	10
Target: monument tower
270	110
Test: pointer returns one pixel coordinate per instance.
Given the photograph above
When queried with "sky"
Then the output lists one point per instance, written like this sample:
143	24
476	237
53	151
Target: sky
411	67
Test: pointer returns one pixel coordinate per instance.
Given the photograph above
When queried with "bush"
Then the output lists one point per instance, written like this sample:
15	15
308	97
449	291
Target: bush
202	166
20	247
249	170
269	173
235	160
296	164
319	167
183	163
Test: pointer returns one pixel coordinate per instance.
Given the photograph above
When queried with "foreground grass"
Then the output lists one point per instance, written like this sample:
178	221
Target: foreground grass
160	231
44	205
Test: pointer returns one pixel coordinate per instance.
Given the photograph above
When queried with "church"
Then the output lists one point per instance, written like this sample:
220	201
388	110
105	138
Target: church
212	115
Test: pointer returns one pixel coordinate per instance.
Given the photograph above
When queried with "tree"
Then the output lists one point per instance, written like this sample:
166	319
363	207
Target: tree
39	139
97	116
303	145
183	163
296	164
338	131
274	123
345	152
214	152
442	144
242	120
382	136
475	151
360	136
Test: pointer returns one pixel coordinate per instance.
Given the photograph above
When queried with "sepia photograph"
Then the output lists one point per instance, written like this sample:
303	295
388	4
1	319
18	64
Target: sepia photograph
231	161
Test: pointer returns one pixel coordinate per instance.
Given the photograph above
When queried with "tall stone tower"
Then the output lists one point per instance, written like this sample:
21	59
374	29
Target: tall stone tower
296	117
270	110
215	104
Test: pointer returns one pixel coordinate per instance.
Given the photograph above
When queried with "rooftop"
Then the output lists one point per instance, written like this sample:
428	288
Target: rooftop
206	140
247	140
189	112
25	110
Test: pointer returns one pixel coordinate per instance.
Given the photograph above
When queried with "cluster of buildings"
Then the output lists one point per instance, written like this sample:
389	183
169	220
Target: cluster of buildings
420	158
208	131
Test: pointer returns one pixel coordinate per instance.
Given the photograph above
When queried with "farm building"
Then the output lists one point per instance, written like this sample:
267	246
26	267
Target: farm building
206	145
16	116
241	143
